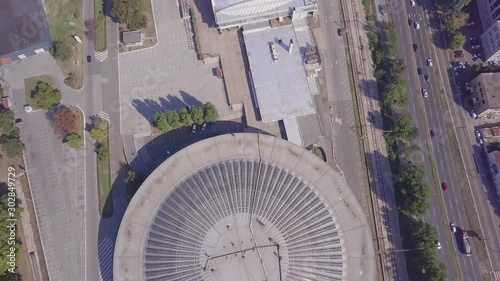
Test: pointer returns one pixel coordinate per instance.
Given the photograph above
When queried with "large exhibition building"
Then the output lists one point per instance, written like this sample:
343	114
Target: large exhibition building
244	207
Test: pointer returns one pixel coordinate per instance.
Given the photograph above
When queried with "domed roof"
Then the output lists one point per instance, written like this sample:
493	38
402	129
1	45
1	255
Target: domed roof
244	207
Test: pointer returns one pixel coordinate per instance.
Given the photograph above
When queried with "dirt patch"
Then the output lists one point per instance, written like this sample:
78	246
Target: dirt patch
29	87
66	20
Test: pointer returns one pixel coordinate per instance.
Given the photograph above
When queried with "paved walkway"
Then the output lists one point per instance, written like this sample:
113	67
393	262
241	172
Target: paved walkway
380	176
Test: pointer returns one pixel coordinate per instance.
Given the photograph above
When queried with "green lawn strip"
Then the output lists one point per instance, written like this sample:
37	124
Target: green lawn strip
465	189
100	39
29	87
104	185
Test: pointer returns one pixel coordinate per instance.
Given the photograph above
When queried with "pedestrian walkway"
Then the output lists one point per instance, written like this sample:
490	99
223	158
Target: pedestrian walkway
103	115
101	56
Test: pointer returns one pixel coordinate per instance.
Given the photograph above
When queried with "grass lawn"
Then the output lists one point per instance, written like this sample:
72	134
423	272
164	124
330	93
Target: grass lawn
29	86
65	20
104	185
100	40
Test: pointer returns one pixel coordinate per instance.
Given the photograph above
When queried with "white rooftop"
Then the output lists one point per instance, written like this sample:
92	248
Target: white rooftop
279	78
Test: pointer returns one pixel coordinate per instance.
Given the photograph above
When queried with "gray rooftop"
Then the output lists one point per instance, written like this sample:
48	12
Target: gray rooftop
280	81
23	28
490	83
218	209
132	36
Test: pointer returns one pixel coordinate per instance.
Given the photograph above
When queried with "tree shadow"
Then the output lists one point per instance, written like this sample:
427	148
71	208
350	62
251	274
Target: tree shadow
206	12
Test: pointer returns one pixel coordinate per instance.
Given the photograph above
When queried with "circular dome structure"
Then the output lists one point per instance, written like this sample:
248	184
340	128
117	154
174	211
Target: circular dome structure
244	207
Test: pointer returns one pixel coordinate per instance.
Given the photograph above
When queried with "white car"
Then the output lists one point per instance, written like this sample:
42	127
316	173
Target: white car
472	38
429	62
417	25
438	244
471	23
424	93
473	114
475	47
412	3
453	228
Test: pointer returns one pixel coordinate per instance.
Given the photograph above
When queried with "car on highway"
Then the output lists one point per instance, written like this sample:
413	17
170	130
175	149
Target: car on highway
89	58
426	78
340	31
473	114
415	47
425	93
419	71
453	228
410	22
433	133
429	62
417	25
475	47
438	244
444	186
412	3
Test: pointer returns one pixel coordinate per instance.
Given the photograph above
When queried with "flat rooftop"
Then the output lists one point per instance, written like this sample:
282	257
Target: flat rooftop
490	82
279	78
22	26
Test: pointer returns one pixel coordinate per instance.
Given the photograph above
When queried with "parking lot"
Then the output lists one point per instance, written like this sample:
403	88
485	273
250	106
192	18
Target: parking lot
168	76
57	179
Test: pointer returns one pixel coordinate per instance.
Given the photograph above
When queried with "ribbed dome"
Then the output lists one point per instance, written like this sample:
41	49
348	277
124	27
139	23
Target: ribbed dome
235	207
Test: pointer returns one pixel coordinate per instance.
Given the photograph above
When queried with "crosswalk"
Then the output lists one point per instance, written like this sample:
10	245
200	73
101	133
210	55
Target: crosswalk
101	56
496	275
103	115
106	248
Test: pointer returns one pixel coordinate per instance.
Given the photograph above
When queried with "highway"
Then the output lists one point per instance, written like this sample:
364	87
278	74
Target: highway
431	113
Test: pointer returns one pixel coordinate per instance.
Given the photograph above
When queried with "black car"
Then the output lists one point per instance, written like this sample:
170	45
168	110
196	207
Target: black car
415	47
419	71
89	58
426	78
340	31
19	120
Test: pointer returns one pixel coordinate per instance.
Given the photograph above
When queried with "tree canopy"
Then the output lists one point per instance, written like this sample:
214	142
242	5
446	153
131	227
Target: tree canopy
197	114
60	50
45	96
160	120
74	141
185	117
100	130
64	121
129	12
13	147
414	191
211	113
173	119
404	129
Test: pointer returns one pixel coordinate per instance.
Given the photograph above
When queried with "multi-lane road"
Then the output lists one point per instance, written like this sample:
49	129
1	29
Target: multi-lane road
432	113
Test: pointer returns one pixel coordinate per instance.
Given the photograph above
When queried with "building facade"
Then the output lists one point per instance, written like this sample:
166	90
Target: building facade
486	95
491	42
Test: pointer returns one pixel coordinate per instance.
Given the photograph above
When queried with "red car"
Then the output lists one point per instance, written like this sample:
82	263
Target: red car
444	185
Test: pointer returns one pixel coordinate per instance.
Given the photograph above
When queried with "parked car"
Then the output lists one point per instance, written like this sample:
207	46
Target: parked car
89	58
472	38
193	129
424	93
453	227
476	58
473	114
479	140
340	31
433	133
438	244
204	126
444	186
429	62
419	71
19	120
415	47
426	78
471	23
417	25
459	54
475	47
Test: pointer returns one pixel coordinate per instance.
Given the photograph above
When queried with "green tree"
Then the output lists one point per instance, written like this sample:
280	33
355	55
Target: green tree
6	122
100	130
392	45
173	119
404	129
457	40
60	50
211	113
394	95
185	117
71	80
131	177
102	152
129	12
160	120
45	96
197	114
415	193
396	69
13	147
74	141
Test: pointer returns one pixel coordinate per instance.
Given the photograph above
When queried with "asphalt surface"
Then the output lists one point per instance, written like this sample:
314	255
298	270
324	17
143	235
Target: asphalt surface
441	151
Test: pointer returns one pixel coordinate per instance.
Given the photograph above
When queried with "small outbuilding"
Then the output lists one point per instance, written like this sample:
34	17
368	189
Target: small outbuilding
133	38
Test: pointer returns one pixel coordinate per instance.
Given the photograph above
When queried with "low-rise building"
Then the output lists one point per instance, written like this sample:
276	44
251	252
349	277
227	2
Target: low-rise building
494	163
486	95
133	38
491	42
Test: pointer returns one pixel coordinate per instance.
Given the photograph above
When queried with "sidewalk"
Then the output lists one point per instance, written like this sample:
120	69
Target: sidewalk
380	175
